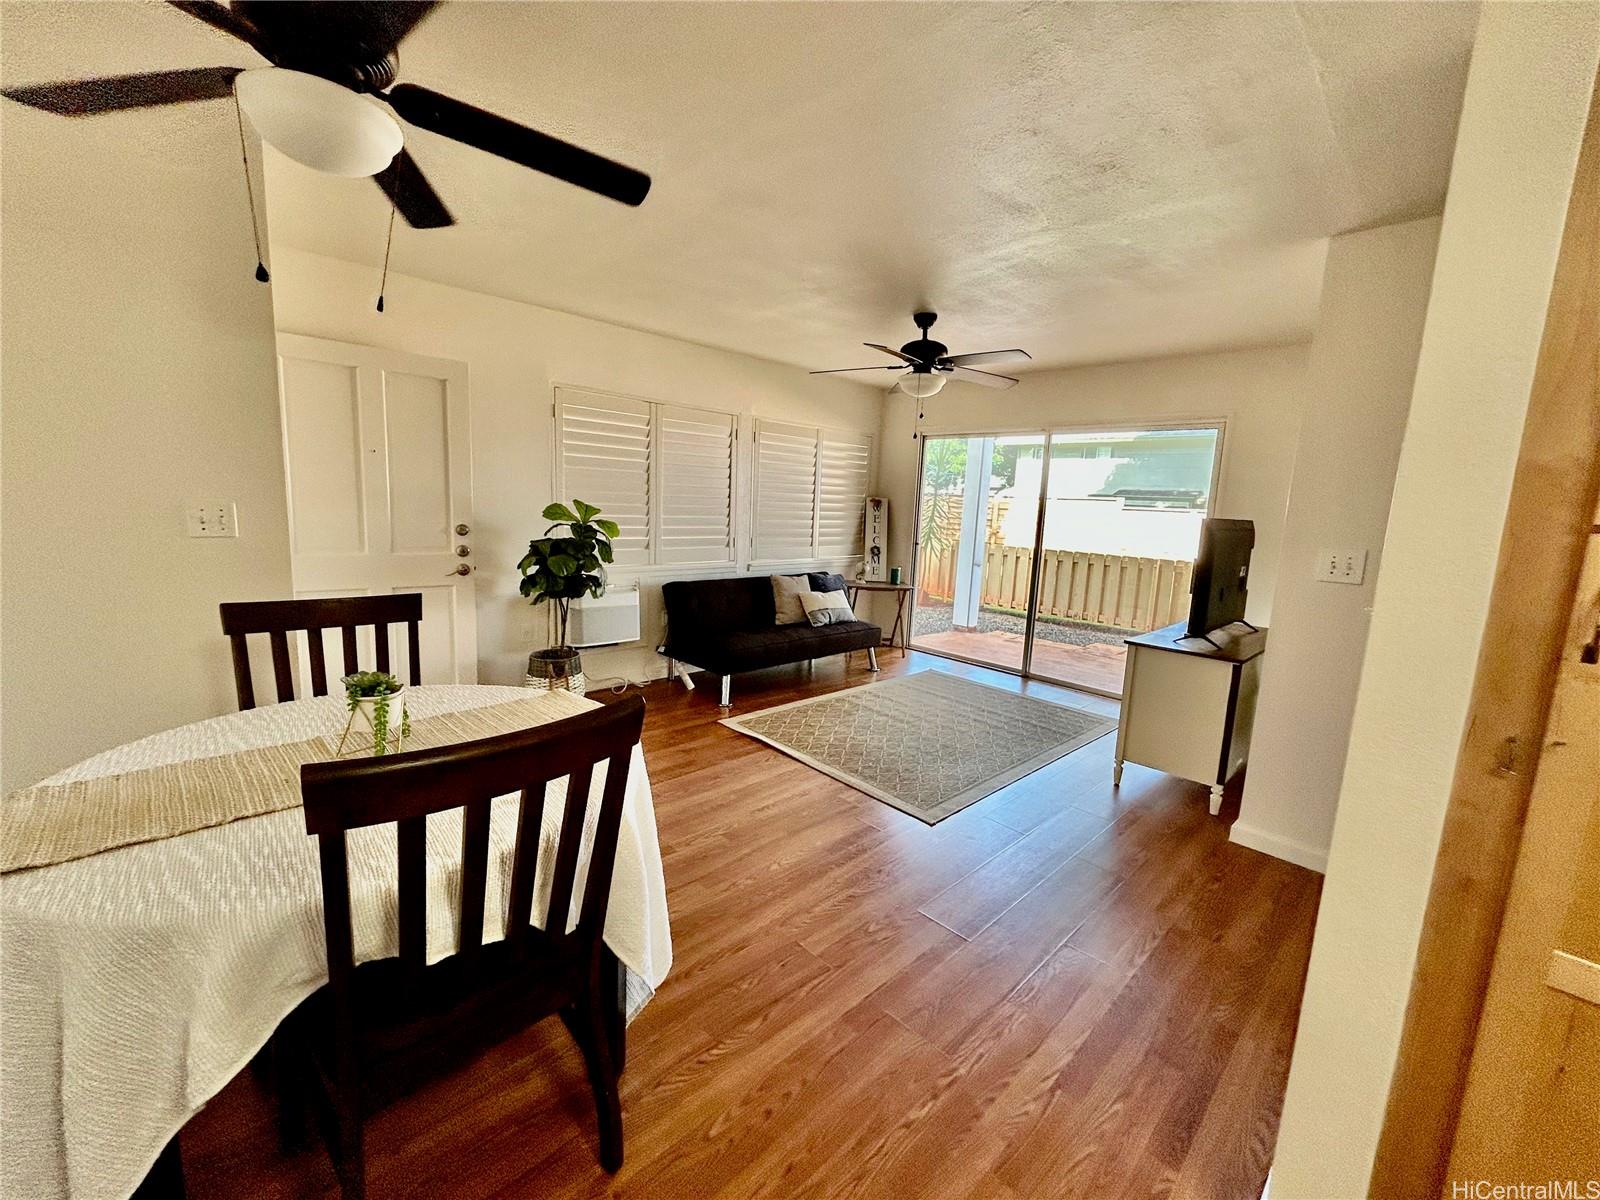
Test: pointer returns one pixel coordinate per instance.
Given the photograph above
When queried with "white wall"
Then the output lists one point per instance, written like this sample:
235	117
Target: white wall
137	374
516	354
1358	390
1257	392
1532	75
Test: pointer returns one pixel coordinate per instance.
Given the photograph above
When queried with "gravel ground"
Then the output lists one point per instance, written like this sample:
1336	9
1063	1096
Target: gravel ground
1074	633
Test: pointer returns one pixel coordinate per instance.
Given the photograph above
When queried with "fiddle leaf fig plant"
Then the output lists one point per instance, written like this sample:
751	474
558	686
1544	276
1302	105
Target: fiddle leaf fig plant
567	568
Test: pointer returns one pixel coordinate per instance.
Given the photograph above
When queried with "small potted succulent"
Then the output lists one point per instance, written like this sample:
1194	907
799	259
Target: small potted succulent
561	570
371	698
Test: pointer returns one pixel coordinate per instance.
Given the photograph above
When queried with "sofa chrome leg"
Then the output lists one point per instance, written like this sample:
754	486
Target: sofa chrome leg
872	658
727	690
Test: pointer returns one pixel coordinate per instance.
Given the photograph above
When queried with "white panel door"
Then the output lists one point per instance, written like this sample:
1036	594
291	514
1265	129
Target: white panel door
380	490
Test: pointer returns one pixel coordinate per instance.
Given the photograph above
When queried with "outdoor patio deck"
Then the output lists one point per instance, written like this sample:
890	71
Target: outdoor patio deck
1098	666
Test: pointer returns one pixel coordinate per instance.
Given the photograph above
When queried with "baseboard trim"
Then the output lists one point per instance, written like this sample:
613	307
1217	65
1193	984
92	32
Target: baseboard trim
1280	847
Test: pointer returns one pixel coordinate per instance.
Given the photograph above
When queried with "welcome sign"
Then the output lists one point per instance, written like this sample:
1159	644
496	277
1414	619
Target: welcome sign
875	539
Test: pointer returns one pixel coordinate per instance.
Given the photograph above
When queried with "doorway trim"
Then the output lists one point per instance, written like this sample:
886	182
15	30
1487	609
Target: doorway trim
1550	520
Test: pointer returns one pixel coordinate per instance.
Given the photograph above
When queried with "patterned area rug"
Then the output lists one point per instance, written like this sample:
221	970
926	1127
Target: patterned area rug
930	744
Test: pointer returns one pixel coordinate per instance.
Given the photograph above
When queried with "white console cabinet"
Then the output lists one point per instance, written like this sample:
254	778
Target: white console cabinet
1188	704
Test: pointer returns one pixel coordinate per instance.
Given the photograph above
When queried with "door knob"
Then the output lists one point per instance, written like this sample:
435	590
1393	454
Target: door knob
462	569
463	529
463	551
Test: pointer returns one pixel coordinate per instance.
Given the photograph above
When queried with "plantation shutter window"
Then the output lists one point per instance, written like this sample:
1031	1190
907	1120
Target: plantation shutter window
842	495
696	456
664	473
604	449
786	491
811	491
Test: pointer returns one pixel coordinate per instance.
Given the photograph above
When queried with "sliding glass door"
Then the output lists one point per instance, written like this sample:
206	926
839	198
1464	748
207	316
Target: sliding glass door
1117	514
1122	513
978	515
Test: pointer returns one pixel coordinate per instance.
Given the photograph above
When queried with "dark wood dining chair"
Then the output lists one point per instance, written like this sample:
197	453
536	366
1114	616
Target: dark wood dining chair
380	1030
278	618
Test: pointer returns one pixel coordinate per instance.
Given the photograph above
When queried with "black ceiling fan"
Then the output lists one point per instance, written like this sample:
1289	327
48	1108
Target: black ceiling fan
928	365
353	43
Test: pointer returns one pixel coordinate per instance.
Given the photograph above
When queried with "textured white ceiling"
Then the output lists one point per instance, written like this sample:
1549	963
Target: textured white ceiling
1090	181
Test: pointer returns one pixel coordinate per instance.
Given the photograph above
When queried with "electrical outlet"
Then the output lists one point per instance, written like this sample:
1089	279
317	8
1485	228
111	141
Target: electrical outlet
212	519
1341	566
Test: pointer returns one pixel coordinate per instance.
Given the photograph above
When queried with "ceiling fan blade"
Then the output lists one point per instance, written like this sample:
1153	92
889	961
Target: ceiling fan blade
335	32
902	357
87	97
474	126
391	20
984	356
414	198
842	370
983	377
384	21
220	16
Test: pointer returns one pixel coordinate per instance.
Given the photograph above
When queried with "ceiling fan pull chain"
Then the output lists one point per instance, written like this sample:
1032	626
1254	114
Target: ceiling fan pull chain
383	281
255	228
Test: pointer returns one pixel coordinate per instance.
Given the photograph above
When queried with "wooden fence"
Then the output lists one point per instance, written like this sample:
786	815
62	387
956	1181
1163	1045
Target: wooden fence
1104	589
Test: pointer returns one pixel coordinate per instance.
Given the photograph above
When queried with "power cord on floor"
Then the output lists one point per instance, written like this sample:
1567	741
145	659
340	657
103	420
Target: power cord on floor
620	683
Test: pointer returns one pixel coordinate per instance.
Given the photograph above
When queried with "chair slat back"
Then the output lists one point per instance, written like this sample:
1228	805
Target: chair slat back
566	864
403	789
412	835
530	823
278	618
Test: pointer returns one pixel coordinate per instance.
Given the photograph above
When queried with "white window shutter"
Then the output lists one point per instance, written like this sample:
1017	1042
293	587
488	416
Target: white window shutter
603	452
786	491
695	456
842	494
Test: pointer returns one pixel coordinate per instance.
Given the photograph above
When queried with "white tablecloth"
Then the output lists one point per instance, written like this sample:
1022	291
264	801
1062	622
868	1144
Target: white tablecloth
135	983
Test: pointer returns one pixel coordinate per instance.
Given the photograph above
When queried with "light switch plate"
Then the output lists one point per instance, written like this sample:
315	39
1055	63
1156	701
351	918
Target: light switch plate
1343	565
212	519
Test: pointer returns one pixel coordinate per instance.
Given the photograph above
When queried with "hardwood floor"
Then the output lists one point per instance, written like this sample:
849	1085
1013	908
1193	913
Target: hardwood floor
1098	666
1060	991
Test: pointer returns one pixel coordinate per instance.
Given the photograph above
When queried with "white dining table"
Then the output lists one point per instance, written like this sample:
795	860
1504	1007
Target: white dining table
135	983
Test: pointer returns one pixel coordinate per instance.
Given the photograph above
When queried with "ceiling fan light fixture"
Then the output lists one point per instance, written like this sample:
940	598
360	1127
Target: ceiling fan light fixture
931	367
317	122
921	384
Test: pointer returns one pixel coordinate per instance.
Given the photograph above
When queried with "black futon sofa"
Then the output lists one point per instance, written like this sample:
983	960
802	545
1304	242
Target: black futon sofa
730	625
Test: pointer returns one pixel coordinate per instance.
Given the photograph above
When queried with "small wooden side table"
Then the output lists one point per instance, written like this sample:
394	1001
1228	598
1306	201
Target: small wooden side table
899	634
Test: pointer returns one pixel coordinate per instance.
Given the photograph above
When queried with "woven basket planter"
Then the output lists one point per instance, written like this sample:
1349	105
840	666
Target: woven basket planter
556	670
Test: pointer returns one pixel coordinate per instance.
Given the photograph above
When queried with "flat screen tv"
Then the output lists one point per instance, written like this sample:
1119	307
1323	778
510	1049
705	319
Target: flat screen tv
1221	575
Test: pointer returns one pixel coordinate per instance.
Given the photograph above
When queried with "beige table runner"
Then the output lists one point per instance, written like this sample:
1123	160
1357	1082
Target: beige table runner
55	823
